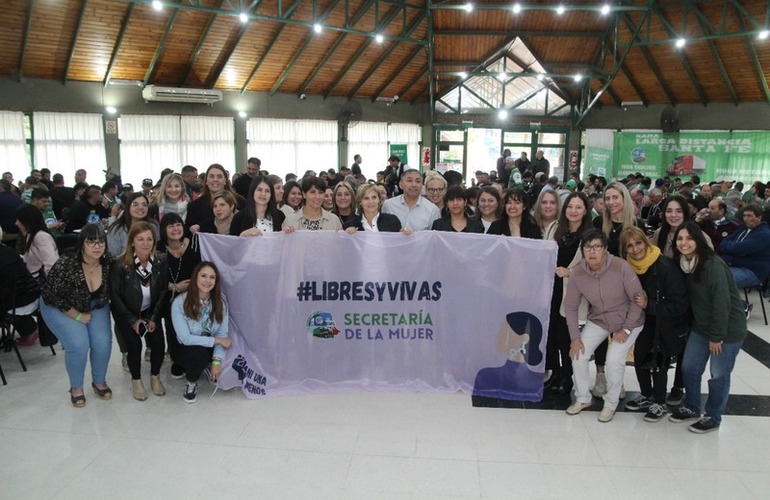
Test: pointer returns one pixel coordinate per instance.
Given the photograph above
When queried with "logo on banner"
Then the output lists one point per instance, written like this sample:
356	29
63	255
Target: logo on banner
638	155
321	325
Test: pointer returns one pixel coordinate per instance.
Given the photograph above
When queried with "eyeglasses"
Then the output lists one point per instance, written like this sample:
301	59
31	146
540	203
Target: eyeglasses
95	243
140	205
435	190
593	248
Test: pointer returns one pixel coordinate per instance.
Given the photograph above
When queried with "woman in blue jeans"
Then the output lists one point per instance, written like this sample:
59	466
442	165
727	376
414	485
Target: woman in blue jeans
75	305
718	328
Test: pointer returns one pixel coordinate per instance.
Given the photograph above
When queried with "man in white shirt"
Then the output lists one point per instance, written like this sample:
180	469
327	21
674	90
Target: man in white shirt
414	211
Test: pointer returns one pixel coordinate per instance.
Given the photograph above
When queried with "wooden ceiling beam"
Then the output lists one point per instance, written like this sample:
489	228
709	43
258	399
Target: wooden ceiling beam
754	59
118	43
199	45
682	59
379	27
635	85
75	34
213	78
407	32
267	50
25	40
646	55
337	43
305	44
405	90
161	45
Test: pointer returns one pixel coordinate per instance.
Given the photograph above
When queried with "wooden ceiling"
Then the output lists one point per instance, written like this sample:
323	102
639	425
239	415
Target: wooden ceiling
628	55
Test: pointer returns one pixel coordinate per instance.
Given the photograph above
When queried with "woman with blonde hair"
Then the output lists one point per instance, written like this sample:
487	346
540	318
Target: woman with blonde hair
138	287
667	312
171	198
344	198
369	217
546	212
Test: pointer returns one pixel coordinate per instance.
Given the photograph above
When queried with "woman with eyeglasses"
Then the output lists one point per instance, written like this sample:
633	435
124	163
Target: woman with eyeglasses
609	285
137	209
139	284
74	303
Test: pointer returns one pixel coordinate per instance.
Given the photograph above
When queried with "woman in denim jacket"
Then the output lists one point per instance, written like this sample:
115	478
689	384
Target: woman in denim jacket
200	320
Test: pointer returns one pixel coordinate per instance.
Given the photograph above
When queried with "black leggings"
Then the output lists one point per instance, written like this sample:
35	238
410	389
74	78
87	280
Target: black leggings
557	348
172	342
652	384
194	359
133	343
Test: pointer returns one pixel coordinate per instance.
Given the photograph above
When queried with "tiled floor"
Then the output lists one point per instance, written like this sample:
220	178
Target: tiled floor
366	445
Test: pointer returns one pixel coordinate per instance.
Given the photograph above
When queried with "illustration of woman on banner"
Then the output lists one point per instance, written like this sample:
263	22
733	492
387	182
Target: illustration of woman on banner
519	337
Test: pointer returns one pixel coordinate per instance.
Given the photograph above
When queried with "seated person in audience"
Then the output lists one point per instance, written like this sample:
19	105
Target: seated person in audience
369	217
457	219
260	214
12	265
8	204
747	250
62	197
715	224
224	208
516	220
292	197
38	248
41	199
489	206
312	216
414	211
200	320
89	208
344	197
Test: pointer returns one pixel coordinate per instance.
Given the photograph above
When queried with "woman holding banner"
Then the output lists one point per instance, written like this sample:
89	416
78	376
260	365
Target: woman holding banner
609	285
516	220
260	214
200	320
456	219
369	217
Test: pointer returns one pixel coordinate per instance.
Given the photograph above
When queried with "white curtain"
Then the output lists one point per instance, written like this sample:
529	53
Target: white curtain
370	140
13	153
411	135
66	142
148	144
293	146
207	140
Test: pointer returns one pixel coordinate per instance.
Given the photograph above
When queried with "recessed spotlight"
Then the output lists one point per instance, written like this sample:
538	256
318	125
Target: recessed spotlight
502	114
243	114
157	5
578	77
764	34
560	9
379	38
243	17
516	8
463	75
317	27
680	43
605	9
468	7
111	110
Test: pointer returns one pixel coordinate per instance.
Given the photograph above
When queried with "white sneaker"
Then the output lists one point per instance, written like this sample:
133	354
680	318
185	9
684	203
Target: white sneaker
600	386
606	415
577	407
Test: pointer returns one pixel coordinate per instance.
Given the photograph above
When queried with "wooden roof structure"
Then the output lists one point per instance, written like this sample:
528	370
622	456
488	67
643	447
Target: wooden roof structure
625	55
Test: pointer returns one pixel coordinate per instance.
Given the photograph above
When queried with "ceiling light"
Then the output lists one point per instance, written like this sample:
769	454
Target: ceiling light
578	77
502	76
378	38
157	5
516	8
243	114
463	75
605	9
243	17
468	7
317	27
680	43
111	110
764	34
540	77
560	9
502	114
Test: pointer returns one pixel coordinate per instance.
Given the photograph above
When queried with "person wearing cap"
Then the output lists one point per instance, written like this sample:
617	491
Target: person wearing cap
128	188
147	187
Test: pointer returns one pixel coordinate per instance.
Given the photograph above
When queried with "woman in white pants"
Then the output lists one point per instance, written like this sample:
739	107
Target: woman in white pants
608	284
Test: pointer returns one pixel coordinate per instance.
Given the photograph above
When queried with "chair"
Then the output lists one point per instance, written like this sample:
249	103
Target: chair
760	288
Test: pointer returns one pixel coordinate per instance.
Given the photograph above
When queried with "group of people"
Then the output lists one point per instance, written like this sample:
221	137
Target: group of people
670	294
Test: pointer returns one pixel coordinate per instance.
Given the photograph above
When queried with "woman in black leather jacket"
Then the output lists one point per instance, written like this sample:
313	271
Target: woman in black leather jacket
138	286
667	320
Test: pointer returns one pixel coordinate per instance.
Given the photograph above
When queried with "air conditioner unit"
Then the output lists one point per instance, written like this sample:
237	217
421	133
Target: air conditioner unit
171	94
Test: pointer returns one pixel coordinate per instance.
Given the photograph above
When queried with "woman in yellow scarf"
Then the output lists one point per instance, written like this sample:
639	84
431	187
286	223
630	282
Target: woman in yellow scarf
667	322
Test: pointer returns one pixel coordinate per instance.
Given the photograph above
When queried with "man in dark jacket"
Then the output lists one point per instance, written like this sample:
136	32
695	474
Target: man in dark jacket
747	251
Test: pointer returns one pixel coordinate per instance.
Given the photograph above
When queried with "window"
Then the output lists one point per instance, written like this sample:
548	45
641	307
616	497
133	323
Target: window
66	142
13	152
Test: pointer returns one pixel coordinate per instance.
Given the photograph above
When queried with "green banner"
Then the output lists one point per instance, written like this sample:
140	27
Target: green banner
598	161
400	151
743	156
